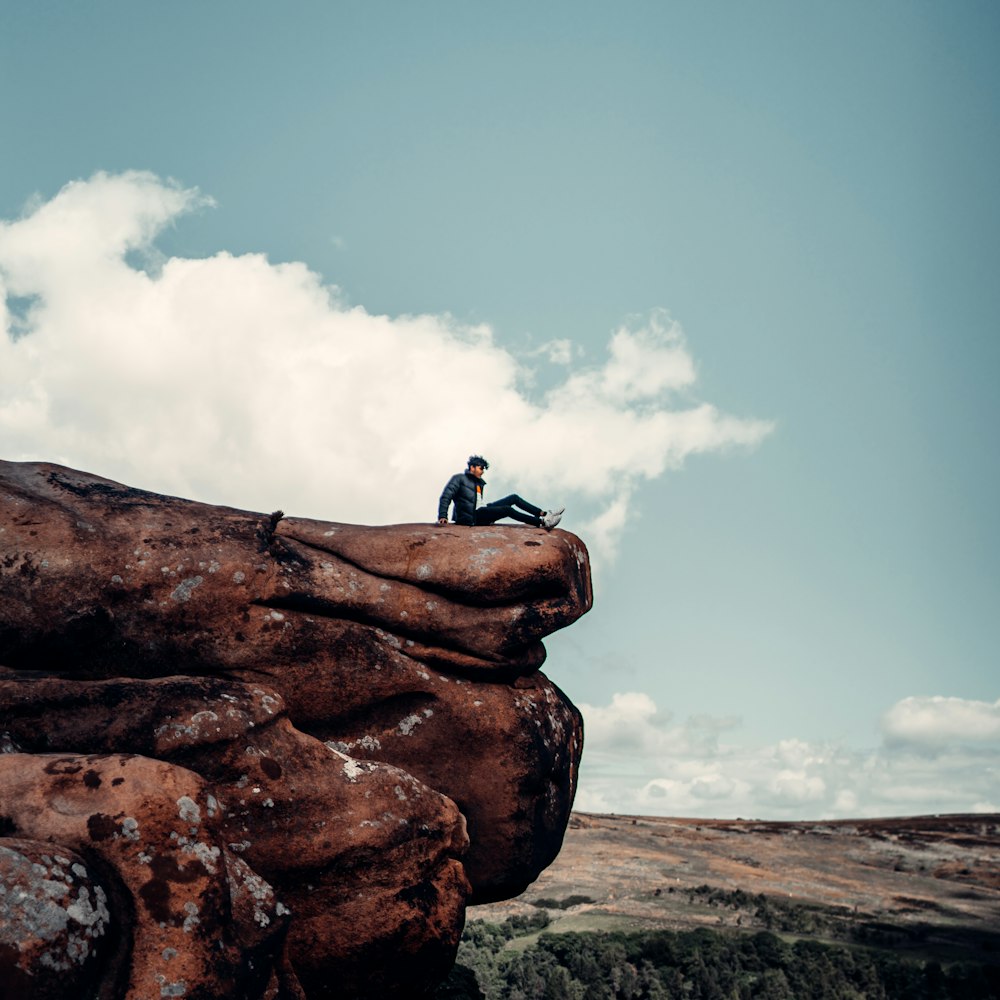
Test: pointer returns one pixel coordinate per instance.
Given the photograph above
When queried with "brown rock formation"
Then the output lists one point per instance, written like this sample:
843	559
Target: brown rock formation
338	705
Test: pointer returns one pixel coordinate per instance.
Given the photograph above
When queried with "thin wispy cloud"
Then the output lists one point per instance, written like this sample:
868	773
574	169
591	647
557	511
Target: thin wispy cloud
641	760
236	380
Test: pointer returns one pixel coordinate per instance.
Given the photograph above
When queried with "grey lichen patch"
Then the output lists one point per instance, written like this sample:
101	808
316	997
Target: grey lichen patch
182	592
188	809
243	879
407	725
368	743
178	732
41	902
269	702
388	638
207	854
352	769
483	559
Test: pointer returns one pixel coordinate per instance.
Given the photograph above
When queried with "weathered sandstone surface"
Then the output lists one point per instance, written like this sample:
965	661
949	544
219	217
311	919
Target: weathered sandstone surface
267	756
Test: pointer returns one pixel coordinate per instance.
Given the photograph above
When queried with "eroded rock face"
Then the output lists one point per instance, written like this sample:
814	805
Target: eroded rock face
356	713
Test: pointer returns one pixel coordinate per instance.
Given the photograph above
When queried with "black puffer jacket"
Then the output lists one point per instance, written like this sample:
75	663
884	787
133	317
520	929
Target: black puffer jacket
462	489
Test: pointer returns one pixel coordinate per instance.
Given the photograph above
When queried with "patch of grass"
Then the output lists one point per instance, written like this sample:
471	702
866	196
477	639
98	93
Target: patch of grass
580	923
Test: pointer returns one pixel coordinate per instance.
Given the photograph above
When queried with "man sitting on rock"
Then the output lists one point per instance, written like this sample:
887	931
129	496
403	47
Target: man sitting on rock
466	490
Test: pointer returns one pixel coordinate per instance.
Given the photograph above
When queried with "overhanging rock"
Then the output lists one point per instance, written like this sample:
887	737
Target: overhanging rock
292	751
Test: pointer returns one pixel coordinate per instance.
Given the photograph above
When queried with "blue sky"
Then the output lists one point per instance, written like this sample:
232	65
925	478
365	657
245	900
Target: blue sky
315	254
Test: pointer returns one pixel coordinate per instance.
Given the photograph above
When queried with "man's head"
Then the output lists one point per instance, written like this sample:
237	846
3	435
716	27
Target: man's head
477	464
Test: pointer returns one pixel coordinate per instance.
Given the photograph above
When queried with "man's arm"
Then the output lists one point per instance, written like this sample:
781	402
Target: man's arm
446	495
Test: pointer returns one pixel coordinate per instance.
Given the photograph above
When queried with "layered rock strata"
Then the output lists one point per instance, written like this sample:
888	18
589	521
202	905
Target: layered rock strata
281	754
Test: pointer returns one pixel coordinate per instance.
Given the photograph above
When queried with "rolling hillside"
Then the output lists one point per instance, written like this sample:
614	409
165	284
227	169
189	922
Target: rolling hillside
929	885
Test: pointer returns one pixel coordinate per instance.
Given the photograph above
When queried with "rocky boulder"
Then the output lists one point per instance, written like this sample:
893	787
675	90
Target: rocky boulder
292	751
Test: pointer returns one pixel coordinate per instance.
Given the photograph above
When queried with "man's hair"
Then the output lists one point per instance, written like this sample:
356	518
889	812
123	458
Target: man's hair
478	460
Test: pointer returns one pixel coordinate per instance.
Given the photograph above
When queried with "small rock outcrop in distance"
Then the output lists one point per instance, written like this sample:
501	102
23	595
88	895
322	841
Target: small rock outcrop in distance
259	756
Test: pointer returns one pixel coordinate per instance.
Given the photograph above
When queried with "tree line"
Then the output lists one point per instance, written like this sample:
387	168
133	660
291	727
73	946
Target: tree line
695	965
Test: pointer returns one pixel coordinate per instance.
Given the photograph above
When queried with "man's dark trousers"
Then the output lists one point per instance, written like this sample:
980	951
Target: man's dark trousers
508	507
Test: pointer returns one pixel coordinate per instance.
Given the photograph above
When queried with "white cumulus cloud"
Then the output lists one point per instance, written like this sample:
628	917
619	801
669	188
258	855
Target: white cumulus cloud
638	759
937	721
236	380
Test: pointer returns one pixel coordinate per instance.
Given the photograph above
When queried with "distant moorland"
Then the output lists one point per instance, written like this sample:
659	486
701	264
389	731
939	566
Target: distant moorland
646	907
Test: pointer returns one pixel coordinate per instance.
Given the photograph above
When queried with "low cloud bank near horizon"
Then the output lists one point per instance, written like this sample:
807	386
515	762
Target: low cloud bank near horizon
639	760
234	380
